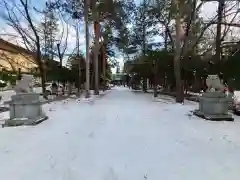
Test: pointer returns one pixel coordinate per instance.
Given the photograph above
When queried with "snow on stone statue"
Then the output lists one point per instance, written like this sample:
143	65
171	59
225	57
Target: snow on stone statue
214	84
25	85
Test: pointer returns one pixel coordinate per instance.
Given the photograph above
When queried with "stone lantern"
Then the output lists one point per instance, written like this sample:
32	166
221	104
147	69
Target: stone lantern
213	104
25	106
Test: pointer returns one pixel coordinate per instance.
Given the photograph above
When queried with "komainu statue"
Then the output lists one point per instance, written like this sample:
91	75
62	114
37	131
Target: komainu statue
25	85
214	84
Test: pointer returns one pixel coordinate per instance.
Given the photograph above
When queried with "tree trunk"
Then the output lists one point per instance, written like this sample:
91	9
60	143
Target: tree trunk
104	68
155	93
96	73
165	39
96	48
218	35
41	65
43	78
87	94
92	76
177	66
79	60
43	85
144	85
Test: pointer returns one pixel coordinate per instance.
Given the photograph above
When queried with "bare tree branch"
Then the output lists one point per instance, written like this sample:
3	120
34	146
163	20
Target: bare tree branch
28	33
65	44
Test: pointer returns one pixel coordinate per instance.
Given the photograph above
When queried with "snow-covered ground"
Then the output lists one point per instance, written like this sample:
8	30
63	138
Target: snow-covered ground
122	136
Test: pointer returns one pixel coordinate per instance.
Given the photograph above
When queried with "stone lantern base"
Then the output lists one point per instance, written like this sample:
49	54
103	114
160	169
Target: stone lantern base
214	106
25	109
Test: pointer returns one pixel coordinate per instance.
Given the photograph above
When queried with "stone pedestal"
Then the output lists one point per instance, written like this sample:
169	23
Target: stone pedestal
214	106
25	109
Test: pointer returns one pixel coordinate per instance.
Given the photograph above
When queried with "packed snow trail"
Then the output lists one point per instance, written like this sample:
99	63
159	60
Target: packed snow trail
121	136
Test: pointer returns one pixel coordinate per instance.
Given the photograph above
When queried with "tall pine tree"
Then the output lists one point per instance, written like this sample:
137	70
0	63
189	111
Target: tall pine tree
50	28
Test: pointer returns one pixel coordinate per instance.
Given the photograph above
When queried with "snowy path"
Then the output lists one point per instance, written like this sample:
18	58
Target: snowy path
123	136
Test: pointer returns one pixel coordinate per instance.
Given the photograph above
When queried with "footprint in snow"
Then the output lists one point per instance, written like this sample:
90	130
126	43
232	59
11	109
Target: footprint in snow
91	135
65	101
224	136
111	175
6	151
189	115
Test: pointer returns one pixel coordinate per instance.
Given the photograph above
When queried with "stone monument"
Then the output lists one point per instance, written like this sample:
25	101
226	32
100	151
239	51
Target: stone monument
25	106
213	104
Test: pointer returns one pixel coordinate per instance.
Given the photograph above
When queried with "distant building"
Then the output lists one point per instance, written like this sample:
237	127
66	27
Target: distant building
13	58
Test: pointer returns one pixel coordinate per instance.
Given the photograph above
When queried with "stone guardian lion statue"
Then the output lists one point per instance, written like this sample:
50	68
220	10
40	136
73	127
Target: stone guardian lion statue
214	84
25	85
